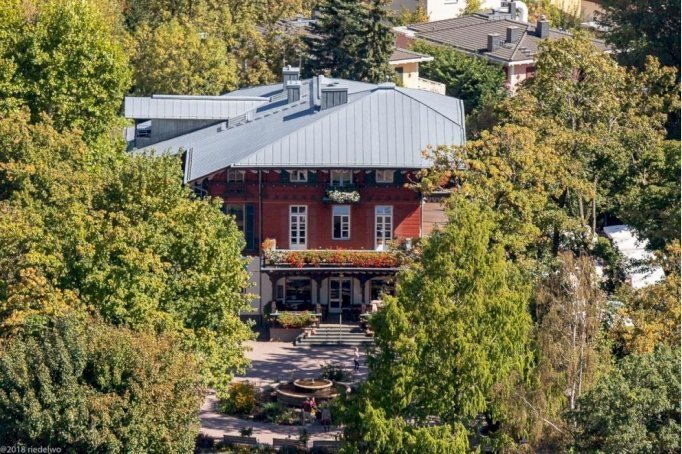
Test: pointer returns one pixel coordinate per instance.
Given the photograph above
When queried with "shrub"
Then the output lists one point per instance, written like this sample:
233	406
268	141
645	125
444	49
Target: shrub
295	319
269	411
241	399
204	442
287	417
246	431
335	373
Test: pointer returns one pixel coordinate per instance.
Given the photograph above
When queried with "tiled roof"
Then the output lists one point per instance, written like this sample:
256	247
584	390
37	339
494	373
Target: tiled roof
401	55
380	126
470	34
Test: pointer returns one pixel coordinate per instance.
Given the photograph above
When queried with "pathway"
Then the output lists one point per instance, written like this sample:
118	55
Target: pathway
216	425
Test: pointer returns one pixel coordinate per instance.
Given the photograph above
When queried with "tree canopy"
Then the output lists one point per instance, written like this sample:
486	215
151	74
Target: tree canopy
642	28
61	58
118	236
635	408
89	387
451	340
350	40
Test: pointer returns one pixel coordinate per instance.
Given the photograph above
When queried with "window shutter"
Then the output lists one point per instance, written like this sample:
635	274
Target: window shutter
370	178
249	227
284	176
398	178
312	177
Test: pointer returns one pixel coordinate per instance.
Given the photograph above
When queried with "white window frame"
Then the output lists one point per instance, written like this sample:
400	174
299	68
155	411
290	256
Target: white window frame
340	177
298	176
304	244
345	215
381	244
235	176
387	176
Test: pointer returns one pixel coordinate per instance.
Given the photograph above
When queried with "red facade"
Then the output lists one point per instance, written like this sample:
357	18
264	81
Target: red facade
268	195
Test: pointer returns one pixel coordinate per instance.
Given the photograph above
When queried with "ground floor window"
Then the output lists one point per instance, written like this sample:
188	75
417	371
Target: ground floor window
297	294
380	287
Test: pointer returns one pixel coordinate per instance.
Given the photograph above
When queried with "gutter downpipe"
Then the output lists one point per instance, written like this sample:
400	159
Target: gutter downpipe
260	238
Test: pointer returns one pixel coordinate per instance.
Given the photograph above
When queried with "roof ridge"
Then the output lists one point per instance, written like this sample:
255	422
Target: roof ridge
518	45
326	113
400	90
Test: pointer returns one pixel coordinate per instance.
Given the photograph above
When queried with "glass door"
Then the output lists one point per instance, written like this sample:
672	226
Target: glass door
298	220
383	222
340	294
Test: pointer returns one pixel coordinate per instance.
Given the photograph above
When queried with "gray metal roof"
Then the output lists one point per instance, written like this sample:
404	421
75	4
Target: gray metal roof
191	107
380	126
470	34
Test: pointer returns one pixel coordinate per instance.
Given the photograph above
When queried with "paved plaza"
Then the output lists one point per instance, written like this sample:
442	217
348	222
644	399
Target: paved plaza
274	362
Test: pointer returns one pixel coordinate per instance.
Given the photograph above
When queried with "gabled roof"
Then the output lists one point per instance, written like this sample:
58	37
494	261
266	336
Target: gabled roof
470	34
380	126
190	107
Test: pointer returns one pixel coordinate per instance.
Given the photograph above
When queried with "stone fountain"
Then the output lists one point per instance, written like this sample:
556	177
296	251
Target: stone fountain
296	392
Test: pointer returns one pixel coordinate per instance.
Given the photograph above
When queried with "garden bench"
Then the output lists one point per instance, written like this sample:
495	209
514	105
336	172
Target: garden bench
239	440
278	443
329	445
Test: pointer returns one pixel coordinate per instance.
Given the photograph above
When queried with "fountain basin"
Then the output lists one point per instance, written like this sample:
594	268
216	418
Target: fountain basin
310	385
291	394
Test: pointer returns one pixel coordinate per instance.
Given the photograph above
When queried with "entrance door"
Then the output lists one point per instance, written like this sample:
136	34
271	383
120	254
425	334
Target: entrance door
340	293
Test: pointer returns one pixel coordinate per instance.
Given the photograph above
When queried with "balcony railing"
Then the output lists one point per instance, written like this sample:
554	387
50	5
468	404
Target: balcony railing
431	85
330	258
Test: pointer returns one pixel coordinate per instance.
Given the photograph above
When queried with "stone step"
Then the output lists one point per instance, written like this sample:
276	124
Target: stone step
313	341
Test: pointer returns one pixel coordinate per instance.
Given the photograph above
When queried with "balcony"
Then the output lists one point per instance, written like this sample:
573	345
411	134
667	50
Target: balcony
330	258
431	85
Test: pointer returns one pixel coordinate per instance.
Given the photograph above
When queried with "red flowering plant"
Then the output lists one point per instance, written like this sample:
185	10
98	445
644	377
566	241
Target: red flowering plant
333	257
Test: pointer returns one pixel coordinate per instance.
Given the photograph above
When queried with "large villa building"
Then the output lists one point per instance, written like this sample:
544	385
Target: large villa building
316	174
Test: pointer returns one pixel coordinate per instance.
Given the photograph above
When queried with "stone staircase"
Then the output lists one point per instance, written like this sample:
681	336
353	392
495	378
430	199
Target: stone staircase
335	334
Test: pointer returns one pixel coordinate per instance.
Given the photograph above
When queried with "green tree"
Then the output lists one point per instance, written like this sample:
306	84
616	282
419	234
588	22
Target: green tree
70	64
177	58
475	81
643	27
351	40
455	334
88	387
121	237
635	408
651	203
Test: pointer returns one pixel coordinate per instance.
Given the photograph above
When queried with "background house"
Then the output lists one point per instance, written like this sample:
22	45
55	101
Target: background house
501	36
317	169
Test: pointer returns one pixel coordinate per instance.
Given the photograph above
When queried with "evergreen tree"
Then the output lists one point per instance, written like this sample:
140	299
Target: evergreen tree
350	40
454	337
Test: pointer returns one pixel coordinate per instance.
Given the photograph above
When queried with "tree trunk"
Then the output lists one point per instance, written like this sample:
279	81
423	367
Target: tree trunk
594	207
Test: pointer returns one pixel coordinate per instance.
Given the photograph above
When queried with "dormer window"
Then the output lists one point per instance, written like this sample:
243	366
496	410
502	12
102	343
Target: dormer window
235	176
341	178
298	176
384	176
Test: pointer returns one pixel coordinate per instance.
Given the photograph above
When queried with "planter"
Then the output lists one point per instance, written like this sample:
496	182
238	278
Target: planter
284	334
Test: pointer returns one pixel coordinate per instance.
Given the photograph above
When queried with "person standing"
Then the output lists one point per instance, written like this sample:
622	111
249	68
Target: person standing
326	419
356	360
